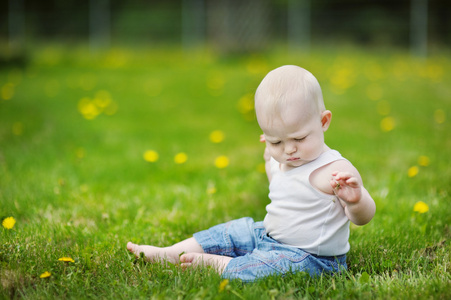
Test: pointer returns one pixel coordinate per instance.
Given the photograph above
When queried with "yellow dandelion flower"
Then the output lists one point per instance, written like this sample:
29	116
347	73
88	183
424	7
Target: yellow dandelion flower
223	285
80	152
439	116
102	98
420	207
424	161
246	107
66	259
46	274
261	168
435	72
88	108
342	79
211	190
216	136
413	171
7	91
216	81
246	103
17	128
222	162
8	222
256	65
150	156
387	124
83	103
116	58
180	158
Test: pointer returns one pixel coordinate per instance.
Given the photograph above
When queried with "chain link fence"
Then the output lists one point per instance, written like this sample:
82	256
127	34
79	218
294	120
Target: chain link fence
227	25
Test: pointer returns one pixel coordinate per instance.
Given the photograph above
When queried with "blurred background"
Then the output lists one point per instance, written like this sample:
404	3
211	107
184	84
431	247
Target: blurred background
118	113
229	26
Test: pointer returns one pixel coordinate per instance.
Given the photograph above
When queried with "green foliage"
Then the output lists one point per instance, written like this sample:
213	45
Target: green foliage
74	127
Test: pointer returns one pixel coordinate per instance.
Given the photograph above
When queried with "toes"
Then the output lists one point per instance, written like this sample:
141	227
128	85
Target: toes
129	246
135	249
186	258
185	265
191	259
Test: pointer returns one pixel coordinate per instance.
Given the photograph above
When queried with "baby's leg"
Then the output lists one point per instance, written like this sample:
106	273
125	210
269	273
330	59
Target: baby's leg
218	262
170	254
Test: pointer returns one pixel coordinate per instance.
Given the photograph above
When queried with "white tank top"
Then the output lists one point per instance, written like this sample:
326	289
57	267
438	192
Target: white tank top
301	216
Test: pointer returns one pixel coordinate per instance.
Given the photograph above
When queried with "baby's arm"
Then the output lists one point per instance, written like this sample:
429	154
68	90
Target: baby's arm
357	202
267	158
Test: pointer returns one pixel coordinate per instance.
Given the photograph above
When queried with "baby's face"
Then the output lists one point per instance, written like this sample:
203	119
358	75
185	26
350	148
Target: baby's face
295	141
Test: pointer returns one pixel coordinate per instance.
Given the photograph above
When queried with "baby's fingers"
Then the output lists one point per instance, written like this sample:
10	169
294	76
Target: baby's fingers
352	182
335	184
341	175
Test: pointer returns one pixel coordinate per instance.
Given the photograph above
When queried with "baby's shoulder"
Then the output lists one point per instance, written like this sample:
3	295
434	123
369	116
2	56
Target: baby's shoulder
340	165
320	178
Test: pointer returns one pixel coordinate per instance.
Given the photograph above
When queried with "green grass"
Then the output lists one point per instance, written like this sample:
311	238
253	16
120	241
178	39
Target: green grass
80	188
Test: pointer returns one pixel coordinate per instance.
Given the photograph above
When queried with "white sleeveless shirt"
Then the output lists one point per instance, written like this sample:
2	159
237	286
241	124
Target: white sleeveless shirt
301	216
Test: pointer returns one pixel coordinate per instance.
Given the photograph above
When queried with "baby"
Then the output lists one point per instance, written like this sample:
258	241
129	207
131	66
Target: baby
314	194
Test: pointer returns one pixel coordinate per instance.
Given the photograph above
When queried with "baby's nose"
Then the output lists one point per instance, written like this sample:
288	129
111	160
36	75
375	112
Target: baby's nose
290	149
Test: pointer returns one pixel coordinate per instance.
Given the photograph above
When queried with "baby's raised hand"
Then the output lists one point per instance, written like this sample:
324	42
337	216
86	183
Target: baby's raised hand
346	186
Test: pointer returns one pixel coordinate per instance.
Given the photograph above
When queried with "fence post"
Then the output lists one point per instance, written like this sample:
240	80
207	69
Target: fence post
193	23
299	25
419	27
16	23
99	24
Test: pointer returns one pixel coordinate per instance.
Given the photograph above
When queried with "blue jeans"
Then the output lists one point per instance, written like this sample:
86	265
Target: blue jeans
256	255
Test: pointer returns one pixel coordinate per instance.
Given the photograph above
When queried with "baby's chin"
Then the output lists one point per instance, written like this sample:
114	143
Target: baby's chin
293	164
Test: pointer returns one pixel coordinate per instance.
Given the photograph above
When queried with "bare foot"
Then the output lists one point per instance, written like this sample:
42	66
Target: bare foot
201	259
153	254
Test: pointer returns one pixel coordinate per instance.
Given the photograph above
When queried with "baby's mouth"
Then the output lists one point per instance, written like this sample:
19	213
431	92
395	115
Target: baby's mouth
293	159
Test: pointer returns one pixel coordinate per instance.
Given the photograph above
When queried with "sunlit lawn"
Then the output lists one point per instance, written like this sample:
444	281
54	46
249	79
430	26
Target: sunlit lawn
151	146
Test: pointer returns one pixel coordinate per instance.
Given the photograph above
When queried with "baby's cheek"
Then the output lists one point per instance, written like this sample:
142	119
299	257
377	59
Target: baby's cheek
270	150
274	153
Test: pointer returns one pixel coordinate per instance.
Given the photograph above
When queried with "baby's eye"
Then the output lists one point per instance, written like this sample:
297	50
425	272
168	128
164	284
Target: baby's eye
275	143
300	140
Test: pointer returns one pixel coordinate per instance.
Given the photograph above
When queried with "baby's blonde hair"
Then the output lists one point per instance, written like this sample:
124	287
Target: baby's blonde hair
285	86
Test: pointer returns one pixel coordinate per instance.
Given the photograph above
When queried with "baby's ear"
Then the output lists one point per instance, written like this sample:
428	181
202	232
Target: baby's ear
326	117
